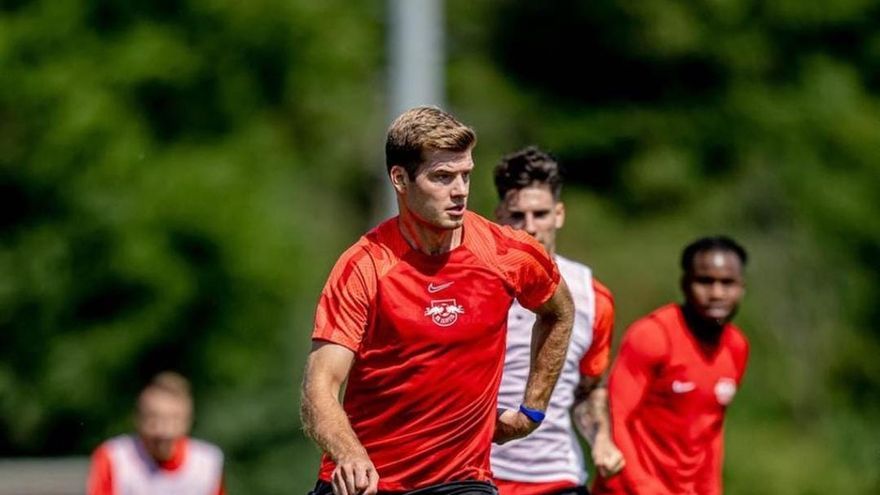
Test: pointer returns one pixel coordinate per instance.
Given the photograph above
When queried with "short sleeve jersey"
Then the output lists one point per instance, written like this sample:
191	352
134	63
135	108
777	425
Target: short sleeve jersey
668	395
428	333
552	453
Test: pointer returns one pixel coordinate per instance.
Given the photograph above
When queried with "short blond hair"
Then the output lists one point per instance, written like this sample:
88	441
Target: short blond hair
171	383
421	129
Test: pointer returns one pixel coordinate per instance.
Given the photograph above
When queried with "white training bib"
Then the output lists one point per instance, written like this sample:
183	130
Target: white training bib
552	452
136	473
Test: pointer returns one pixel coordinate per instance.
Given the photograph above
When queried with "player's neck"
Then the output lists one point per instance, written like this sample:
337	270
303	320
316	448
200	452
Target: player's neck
427	238
169	461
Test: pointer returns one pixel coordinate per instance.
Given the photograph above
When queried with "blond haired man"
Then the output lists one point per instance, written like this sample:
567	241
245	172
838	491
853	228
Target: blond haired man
161	458
413	318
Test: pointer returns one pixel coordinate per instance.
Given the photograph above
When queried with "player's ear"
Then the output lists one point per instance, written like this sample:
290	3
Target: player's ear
399	178
559	213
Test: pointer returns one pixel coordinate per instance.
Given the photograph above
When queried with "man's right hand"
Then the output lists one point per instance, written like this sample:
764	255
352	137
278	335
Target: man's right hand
355	475
325	420
511	425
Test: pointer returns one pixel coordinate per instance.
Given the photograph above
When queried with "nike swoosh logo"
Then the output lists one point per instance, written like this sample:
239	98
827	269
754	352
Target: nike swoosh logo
683	387
437	288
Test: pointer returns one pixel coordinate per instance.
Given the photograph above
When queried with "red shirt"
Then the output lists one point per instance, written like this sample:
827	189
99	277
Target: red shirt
595	361
428	334
668	393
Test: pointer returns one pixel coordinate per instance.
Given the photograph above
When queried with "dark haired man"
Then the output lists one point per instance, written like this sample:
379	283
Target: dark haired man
413	318
550	461
677	371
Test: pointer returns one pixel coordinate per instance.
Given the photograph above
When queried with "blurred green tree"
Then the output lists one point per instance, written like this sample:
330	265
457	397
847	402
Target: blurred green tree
177	176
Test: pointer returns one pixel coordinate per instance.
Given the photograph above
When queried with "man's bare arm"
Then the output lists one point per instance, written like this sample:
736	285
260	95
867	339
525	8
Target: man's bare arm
594	423
550	338
325	420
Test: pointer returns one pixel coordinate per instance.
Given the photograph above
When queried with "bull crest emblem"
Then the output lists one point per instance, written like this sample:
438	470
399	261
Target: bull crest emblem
725	389
444	312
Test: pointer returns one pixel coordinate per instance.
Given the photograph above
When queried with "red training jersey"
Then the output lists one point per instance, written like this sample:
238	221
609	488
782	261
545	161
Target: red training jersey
668	393
595	361
428	334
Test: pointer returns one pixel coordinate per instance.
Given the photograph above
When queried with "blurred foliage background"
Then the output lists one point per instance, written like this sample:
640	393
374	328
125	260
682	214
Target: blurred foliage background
179	176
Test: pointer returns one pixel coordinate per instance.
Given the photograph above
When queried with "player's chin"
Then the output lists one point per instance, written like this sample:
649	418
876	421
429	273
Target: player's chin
452	221
717	315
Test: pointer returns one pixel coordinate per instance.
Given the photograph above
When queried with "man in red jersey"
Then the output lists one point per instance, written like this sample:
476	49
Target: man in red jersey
550	460
161	459
677	371
413	318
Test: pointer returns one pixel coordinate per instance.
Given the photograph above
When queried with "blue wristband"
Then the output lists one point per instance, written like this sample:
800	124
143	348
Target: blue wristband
534	415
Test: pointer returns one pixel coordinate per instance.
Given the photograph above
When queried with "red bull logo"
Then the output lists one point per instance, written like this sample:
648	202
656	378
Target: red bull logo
444	312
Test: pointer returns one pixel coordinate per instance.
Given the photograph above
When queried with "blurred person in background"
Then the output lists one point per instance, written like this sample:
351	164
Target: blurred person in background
413	317
550	460
160	459
677	371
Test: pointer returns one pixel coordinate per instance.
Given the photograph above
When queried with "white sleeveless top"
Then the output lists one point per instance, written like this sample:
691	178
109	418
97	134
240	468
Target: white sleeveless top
552	452
135	472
